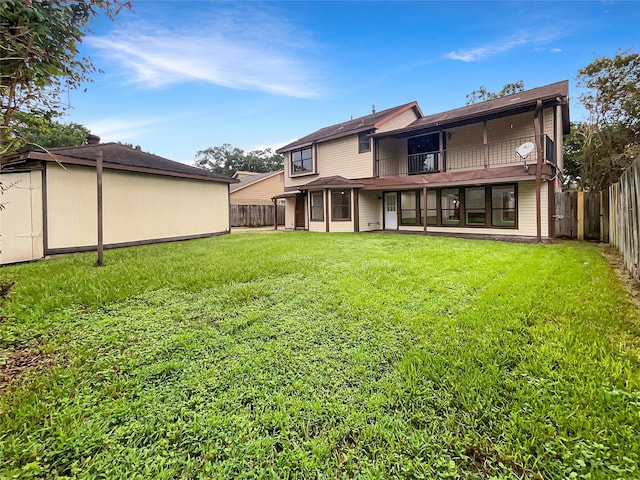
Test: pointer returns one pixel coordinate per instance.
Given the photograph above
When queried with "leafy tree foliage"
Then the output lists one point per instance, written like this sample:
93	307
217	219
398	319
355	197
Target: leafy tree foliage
39	132
226	160
573	154
482	94
611	137
39	57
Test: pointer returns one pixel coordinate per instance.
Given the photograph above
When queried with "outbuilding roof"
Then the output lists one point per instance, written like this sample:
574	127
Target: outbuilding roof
351	127
116	156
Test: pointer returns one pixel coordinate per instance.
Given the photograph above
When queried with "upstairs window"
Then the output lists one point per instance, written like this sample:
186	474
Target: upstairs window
301	161
364	142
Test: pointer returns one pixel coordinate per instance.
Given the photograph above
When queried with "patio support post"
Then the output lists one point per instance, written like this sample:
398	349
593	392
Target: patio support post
424	204
100	261
356	210
326	209
540	152
442	166
275	213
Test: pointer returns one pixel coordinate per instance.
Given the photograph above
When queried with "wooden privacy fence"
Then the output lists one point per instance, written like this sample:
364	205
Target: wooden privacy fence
624	219
255	215
582	215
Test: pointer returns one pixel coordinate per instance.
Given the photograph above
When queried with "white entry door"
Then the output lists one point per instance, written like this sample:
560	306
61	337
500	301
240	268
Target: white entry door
390	211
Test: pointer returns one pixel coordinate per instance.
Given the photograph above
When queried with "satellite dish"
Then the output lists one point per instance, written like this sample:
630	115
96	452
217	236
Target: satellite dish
525	149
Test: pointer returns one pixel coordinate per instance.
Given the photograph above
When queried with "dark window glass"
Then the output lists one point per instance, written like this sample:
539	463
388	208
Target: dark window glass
364	143
475	206
503	206
340	205
301	161
432	207
317	206
450	206
409	208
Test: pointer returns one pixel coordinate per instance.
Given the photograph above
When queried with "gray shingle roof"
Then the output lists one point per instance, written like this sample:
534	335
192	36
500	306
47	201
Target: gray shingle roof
249	179
350	127
117	154
552	92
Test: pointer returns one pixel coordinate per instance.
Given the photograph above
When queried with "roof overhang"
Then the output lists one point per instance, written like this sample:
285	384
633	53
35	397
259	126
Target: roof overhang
28	158
287	195
486	176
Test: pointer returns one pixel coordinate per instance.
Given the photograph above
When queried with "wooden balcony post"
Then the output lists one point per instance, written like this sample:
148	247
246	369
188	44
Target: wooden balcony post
424	204
540	152
485	142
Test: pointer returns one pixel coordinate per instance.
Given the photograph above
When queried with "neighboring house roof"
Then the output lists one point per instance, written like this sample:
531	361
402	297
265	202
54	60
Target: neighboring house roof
118	157
253	178
242	173
556	93
351	127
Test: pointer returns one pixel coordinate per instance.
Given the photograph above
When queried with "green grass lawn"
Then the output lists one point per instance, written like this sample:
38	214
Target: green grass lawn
305	355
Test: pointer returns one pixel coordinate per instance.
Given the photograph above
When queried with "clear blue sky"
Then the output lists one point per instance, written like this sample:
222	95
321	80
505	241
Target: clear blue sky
181	76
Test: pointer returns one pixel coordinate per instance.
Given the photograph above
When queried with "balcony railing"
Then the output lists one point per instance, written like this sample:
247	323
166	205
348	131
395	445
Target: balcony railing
494	154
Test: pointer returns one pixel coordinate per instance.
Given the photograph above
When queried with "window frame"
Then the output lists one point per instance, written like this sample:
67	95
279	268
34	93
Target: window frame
361	136
485	210
310	171
312	206
459	216
416	209
489	209
514	208
343	193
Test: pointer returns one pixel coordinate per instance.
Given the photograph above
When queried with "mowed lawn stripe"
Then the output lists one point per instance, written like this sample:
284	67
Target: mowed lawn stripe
304	355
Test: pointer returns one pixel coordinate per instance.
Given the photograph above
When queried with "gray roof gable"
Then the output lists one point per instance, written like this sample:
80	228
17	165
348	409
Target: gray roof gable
115	155
351	127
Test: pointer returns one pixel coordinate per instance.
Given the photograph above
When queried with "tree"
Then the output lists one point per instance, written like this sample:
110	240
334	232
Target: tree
39	57
611	137
482	94
573	154
37	131
226	160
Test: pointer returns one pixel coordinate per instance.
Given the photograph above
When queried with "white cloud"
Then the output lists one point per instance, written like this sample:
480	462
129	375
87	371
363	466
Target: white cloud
121	129
522	39
238	50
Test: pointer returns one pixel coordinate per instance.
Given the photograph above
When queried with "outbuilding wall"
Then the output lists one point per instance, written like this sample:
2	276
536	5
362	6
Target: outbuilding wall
21	237
138	208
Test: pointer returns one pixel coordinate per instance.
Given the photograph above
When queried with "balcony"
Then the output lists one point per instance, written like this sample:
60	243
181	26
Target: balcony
494	154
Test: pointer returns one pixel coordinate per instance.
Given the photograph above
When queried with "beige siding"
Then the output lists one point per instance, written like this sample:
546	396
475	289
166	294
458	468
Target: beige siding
259	193
464	147
317	227
402	120
392	154
341	157
21	221
290	213
370	211
337	157
137	207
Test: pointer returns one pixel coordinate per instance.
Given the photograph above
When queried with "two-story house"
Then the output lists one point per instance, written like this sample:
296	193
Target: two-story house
463	171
